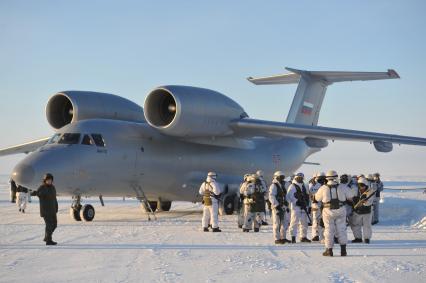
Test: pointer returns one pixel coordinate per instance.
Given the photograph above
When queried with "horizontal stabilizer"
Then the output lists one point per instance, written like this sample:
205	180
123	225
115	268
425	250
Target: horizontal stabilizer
24	148
326	76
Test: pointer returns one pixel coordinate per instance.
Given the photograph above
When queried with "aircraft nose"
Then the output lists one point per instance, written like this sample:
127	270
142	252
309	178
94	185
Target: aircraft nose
23	174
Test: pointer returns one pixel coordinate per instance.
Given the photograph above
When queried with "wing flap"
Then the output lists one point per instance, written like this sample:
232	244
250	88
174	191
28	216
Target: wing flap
24	148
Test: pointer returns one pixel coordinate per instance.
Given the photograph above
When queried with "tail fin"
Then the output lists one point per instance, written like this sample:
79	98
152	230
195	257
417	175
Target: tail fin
310	92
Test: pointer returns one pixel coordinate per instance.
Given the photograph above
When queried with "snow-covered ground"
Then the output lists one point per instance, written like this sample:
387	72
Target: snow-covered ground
122	246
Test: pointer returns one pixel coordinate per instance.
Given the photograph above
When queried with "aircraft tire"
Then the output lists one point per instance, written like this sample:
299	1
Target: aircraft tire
87	213
153	205
166	205
75	214
229	204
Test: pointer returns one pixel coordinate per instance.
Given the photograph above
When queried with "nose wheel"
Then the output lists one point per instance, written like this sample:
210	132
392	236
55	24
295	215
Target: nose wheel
80	212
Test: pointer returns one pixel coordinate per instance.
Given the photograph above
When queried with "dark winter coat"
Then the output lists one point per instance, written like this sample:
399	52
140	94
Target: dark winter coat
48	201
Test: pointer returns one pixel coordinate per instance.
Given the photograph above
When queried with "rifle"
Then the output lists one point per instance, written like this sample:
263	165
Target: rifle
361	201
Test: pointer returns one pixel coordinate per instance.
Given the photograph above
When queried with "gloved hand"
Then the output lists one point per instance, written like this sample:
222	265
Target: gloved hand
363	197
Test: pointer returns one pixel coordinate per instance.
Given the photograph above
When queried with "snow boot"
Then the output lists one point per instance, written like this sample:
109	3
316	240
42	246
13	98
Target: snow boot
216	230
279	242
356	240
367	241
246	230
328	252
286	241
315	239
264	223
51	243
343	250
305	240
256	229
205	229
293	240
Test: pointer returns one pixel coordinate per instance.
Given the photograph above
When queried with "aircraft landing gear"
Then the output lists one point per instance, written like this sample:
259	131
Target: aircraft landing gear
79	212
75	208
165	205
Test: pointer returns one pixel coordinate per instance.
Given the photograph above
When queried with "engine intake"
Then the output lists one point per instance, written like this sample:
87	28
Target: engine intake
185	111
70	106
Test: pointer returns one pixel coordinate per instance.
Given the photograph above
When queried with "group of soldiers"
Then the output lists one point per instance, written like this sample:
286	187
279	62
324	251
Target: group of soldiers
328	204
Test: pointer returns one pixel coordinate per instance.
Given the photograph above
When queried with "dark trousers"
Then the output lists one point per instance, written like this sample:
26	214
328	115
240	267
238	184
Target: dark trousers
51	224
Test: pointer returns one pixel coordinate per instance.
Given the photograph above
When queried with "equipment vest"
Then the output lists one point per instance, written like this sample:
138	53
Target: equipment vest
281	194
207	200
334	203
301	196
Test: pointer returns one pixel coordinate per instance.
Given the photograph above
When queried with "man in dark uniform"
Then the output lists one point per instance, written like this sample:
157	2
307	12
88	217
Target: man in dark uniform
13	188
48	206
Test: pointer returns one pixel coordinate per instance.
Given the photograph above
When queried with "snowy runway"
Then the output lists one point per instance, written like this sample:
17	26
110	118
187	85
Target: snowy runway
122	246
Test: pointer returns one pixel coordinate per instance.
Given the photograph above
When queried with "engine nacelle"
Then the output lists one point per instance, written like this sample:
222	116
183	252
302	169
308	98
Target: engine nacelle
184	111
70	106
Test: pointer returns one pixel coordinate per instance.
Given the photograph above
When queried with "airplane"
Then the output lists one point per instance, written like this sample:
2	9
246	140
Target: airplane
106	145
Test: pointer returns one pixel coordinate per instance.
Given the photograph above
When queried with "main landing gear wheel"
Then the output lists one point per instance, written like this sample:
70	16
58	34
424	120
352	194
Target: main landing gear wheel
87	213
75	214
165	205
75	208
229	204
153	205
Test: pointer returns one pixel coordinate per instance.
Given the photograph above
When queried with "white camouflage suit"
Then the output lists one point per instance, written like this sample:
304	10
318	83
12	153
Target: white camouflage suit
334	219
317	230
241	211
264	189
210	212
21	200
298	215
279	214
251	219
361	222
376	202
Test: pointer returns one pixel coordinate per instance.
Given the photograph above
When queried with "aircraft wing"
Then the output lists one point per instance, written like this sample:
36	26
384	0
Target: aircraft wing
318	135
24	148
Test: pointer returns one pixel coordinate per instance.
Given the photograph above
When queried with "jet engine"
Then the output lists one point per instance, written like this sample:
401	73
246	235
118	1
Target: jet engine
184	111
70	106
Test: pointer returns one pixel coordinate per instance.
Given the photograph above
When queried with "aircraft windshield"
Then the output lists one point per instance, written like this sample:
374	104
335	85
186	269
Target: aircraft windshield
99	140
68	138
54	139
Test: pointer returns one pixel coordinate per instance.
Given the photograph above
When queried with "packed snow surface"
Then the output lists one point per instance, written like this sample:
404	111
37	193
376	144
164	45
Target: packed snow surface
121	245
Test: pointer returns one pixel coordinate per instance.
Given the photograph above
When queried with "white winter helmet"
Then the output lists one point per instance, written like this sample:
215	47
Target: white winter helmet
300	174
370	177
278	174
363	181
259	173
212	175
331	174
320	174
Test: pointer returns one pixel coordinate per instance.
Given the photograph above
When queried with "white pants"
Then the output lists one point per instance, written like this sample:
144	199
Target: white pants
317	230
361	223
21	200
375	207
334	226
298	217
210	215
278	224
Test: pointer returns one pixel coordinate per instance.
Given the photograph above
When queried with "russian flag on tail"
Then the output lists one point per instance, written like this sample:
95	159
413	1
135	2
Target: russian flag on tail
307	108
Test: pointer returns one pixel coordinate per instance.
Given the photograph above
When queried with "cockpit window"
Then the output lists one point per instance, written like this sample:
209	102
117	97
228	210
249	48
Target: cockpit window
87	140
69	139
99	140
54	139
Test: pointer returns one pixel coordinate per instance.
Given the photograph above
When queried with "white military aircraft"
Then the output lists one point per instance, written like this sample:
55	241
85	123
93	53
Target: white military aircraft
106	145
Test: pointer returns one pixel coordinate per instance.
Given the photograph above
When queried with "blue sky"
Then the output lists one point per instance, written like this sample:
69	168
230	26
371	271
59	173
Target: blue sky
130	47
